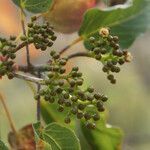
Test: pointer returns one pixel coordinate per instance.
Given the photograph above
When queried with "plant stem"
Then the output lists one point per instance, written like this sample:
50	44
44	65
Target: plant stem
33	68
29	78
72	44
79	54
38	100
8	114
24	32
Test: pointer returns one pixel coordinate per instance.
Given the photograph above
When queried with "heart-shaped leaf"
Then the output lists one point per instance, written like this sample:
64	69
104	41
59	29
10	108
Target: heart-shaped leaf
127	21
57	136
34	6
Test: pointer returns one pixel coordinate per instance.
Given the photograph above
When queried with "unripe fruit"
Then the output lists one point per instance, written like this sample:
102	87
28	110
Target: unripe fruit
67	120
66	15
96	117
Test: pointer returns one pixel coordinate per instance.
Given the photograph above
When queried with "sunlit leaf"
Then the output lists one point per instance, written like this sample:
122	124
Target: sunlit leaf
127	21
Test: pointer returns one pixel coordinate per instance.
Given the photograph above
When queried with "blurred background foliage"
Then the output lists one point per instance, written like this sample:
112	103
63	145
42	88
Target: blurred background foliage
129	101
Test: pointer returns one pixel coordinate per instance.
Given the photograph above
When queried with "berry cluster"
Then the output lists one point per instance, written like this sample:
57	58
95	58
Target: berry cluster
64	89
7	55
105	48
42	36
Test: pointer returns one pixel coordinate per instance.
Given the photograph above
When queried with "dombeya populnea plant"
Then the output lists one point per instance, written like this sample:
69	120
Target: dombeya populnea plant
59	90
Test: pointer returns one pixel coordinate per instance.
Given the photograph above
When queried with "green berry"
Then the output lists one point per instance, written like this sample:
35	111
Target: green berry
62	62
66	95
98	57
79	82
97	96
75	68
33	18
60	108
81	106
87	116
67	120
53	38
110	77
105	69
10	76
23	38
30	25
74	110
103	51
52	53
121	61
12	38
61	101
72	83
12	56
96	117
80	115
56	56
101	109
62	70
104	98
68	103
50	44
113	81
37	97
90	97
90	125
97	50
74	98
90	89
115	38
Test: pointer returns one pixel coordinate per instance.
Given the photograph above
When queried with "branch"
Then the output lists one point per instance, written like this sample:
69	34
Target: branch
8	114
38	100
28	78
24	32
79	54
33	68
72	44
22	45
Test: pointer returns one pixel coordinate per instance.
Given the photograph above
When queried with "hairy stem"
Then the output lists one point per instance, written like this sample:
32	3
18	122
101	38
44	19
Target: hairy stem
24	32
8	114
72	44
29	78
38	101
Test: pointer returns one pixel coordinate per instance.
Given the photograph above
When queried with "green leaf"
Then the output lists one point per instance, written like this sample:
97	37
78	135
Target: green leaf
57	136
34	6
3	146
127	21
104	137
40	143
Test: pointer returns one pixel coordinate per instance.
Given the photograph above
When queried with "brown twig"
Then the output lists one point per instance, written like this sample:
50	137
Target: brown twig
33	68
79	54
8	114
